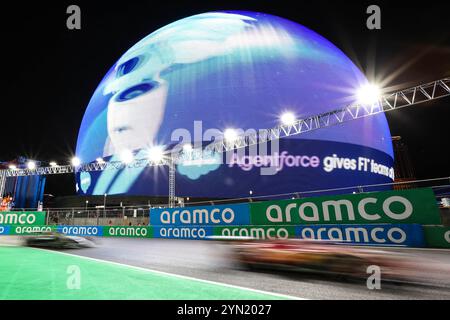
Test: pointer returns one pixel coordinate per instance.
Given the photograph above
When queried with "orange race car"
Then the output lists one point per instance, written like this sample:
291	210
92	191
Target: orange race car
326	257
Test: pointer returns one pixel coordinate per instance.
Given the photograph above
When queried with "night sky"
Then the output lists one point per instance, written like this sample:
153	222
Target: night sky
51	72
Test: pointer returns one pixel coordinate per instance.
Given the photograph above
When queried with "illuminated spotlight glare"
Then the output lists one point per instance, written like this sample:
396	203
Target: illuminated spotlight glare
53	164
100	160
31	165
126	156
12	167
230	135
368	94
288	119
187	147
75	161
155	154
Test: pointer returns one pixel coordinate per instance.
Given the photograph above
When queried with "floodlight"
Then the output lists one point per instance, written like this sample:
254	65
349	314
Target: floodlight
75	161
155	153
31	165
230	135
126	156
368	94
288	118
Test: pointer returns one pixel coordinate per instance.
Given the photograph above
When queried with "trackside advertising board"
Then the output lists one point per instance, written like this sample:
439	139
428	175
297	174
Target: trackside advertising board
22	218
437	236
4	230
93	231
30	230
129	232
183	232
257	232
410	235
402	206
373	234
233	214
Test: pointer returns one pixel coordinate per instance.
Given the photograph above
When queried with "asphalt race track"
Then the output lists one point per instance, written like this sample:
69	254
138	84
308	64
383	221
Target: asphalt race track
208	261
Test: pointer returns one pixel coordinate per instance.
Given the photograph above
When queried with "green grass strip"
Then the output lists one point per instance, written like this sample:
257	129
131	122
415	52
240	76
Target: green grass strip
27	273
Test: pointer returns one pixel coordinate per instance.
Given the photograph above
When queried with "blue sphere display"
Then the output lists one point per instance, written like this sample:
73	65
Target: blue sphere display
210	72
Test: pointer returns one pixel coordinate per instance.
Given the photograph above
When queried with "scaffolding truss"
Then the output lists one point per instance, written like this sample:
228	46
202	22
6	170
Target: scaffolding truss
393	101
388	102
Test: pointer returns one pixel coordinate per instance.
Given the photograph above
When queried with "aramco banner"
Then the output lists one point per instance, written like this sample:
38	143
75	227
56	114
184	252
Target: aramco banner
398	207
370	234
22	218
128	231
233	214
81	230
30	230
403	206
411	235
437	236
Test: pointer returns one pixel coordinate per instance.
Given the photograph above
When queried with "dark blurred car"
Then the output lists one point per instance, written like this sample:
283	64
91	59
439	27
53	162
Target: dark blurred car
323	257
57	240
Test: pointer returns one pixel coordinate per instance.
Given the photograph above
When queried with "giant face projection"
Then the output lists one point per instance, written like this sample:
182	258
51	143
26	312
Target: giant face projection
231	70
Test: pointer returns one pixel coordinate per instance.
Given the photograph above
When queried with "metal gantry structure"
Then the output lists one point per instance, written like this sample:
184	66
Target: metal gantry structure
387	102
392	101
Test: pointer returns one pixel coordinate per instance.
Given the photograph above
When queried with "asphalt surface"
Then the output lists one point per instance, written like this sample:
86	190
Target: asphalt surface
208	260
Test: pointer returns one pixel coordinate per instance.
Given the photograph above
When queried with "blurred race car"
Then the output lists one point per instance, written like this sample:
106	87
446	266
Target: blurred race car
323	257
57	240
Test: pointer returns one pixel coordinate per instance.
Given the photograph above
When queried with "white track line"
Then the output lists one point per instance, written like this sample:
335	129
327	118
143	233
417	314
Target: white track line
178	275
